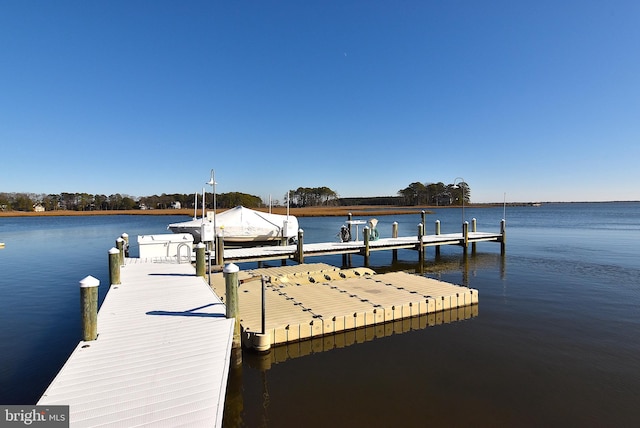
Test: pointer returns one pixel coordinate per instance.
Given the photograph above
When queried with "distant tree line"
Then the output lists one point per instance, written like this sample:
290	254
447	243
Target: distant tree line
312	197
98	202
438	194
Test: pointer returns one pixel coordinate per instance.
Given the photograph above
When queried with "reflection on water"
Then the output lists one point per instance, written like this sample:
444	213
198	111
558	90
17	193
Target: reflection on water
466	263
263	362
344	339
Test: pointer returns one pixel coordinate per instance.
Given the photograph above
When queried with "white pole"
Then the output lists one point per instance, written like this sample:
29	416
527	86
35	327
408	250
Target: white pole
213	183
215	230
195	206
203	199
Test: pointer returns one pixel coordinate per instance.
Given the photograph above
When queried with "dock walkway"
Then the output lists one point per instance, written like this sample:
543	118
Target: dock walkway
285	252
161	356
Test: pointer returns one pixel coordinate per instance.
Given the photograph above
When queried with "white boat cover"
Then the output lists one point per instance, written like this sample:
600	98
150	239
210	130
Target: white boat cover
243	225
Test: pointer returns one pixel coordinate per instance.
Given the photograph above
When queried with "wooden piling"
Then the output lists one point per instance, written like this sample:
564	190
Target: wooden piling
420	244
465	234
114	266
230	272
89	307
300	252
437	233
473	229
120	247
201	259
125	237
220	250
366	232
503	232
394	234
349	219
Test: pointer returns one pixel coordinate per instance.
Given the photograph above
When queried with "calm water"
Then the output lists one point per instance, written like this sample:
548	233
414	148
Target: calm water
556	341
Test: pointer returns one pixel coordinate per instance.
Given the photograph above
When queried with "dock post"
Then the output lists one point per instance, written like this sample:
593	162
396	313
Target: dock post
125	236
231	283
300	254
365	232
114	266
120	247
349	219
465	235
220	250
394	234
420	244
437	227
423	216
201	259
437	233
89	307
503	232
473	229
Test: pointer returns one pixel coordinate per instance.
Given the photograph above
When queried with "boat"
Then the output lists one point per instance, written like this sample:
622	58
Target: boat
243	226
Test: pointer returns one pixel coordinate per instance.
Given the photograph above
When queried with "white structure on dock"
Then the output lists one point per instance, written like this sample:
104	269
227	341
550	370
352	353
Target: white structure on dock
164	246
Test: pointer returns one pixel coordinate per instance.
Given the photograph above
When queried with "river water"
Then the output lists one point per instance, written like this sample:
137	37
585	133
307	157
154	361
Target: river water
555	340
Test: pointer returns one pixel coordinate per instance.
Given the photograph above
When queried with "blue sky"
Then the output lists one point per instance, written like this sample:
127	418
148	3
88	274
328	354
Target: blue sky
538	100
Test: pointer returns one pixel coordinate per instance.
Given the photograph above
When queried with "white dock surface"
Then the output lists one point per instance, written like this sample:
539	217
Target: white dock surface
161	357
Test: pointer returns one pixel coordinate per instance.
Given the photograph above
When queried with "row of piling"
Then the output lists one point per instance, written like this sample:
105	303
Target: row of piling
89	289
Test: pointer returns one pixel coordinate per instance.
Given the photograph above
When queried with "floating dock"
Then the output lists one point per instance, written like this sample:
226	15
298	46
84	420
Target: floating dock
309	301
161	357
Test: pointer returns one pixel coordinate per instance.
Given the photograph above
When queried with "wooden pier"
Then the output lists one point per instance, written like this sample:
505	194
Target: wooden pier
364	247
161	356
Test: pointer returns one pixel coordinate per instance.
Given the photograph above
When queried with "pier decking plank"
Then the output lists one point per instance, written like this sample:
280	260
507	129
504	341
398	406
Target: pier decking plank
161	356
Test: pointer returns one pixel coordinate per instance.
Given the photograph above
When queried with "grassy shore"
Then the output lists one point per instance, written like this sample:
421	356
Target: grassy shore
298	212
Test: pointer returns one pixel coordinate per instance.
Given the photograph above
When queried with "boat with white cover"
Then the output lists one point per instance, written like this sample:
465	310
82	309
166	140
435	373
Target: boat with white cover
243	225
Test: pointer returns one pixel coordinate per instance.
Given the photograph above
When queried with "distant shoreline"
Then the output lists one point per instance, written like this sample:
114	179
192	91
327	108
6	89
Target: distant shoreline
298	212
341	211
